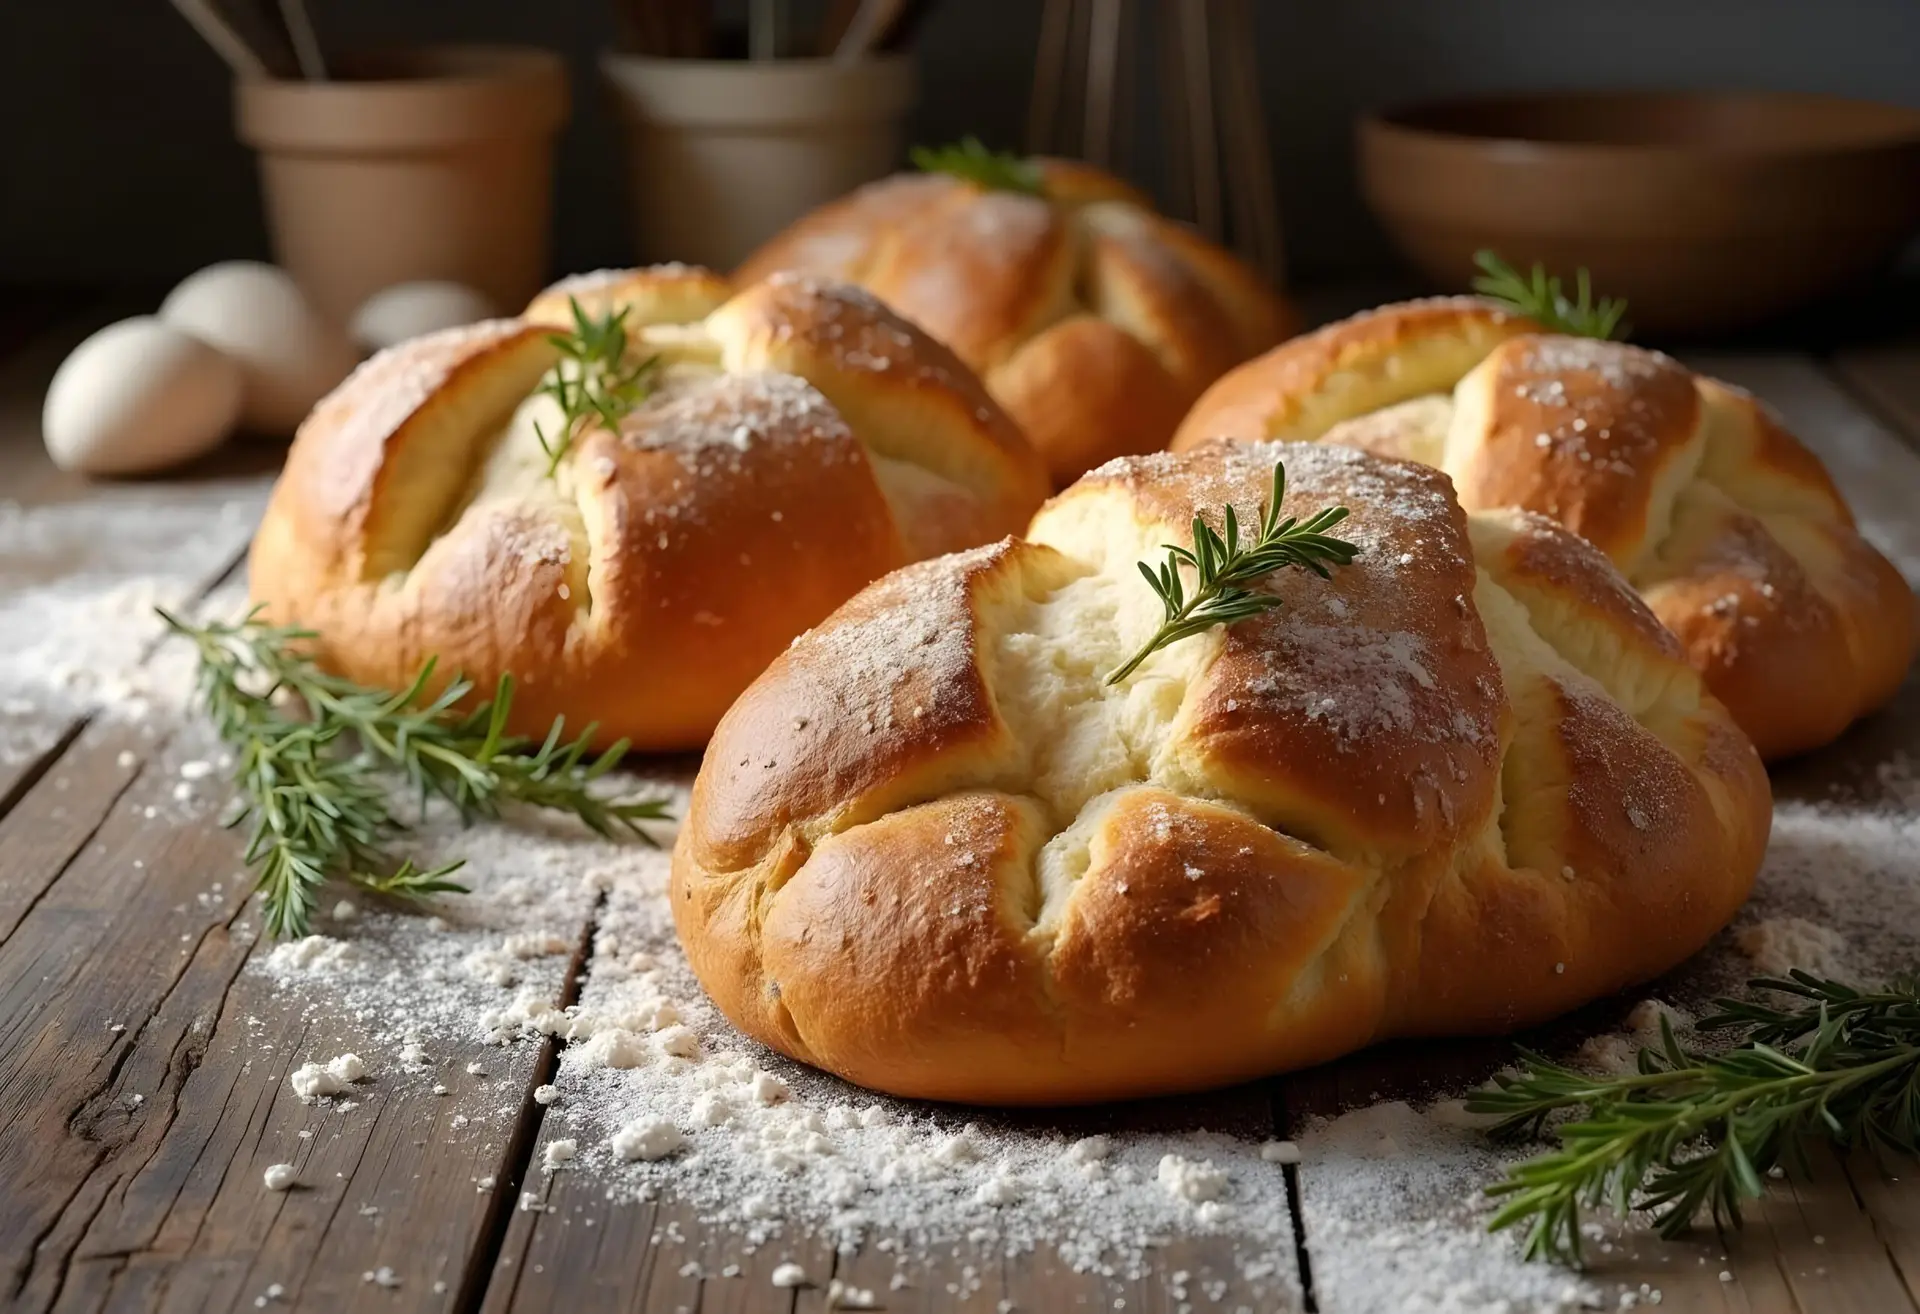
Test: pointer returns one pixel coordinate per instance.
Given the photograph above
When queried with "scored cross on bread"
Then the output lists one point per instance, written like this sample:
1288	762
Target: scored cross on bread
1465	784
1730	529
798	441
1095	321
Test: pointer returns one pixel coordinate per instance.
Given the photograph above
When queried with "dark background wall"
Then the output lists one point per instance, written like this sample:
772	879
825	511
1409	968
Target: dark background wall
118	164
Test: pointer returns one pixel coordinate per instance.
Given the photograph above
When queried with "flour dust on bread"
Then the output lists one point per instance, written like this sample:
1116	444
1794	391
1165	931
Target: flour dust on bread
1095	321
1465	784
1730	529
798	441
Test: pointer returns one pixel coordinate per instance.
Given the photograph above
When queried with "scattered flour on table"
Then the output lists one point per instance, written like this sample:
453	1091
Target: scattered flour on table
684	1107
657	1097
1777	945
1396	1225
78	643
1619	1051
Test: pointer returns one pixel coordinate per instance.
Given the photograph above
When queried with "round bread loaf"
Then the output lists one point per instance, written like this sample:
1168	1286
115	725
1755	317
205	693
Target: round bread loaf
1730	528
800	440
1095	321
1467	783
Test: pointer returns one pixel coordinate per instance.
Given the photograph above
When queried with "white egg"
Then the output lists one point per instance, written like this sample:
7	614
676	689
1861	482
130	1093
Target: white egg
139	395
407	310
289	356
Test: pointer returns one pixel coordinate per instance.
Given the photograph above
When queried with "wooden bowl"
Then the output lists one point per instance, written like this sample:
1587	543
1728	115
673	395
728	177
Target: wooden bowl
1707	212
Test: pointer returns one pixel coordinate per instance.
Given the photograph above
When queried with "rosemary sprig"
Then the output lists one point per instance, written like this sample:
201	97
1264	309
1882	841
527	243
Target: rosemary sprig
315	786
971	161
1223	570
1691	1130
594	381
1540	297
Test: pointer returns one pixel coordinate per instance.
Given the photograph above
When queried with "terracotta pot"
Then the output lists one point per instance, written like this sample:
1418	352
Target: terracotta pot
1706	212
432	163
723	154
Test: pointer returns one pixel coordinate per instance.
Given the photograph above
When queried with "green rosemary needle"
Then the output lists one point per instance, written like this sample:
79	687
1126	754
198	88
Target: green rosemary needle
1540	297
1692	1131
1224	570
971	161
594	382
316	786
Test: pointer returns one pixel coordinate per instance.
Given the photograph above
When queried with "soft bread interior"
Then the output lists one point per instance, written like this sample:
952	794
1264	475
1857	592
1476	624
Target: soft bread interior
446	441
1427	365
486	452
1412	430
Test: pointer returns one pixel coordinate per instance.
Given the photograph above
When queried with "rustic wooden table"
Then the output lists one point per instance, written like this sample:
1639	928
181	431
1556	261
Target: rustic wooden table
121	975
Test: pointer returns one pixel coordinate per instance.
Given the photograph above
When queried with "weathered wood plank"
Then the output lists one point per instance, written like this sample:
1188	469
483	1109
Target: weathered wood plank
124	977
1889	378
159	1204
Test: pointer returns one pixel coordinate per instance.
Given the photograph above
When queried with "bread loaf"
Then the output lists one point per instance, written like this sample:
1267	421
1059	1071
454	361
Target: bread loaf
1467	783
799	441
1730	528
1095	321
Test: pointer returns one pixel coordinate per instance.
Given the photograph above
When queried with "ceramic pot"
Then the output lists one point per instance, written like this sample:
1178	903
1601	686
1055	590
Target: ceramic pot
723	154
428	163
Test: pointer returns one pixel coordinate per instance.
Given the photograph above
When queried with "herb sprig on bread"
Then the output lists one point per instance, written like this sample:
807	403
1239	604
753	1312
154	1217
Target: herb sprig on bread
971	161
594	381
1224	570
1540	296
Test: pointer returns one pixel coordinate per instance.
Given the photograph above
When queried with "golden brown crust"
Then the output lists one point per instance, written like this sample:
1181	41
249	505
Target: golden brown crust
1000	277
801	442
1266	847
1731	529
1305	386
